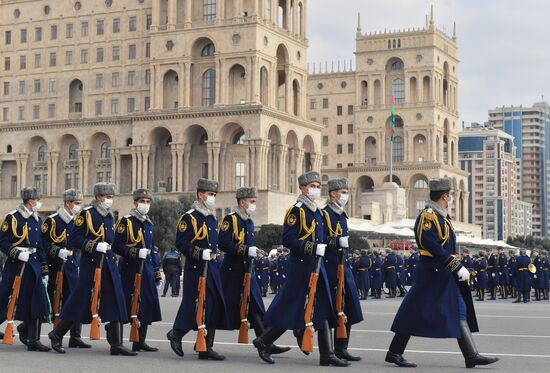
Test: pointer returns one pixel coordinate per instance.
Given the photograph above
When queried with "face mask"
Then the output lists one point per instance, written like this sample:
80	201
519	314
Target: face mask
343	199
210	201
37	207
76	209
251	208
314	193
143	208
107	204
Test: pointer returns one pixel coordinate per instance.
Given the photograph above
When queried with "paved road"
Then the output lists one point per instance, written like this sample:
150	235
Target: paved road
518	333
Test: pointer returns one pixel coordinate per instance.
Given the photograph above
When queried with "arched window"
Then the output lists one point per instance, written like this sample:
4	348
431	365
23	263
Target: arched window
389	44
239	138
421	184
72	152
9	149
209	88
203	139
398	90
398	43
208	50
105	151
397	65
41	153
398	149
393	43
129	141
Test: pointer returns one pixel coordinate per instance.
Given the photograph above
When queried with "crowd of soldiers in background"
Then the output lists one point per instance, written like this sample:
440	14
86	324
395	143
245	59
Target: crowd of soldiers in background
494	274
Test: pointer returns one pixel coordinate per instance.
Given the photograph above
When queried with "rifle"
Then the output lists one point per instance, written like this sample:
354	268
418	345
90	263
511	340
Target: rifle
201	310
8	334
134	333
94	328
245	301
341	332
58	291
307	339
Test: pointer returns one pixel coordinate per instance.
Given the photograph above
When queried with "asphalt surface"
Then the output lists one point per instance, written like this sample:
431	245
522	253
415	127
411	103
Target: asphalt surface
519	334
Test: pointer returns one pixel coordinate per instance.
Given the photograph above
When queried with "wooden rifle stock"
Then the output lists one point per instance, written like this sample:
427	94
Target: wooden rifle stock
307	340
94	328
8	334
341	329
134	331
58	291
245	301
200	343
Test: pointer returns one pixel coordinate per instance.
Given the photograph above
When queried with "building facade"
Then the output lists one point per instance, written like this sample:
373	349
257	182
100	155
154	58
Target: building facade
155	93
530	127
489	157
419	67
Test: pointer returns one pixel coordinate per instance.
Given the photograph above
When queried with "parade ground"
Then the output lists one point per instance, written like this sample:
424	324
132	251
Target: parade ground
519	334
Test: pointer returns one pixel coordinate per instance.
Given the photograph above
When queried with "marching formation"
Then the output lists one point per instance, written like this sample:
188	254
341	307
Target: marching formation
80	266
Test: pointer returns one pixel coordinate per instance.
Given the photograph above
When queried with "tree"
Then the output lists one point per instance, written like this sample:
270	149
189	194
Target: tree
357	241
164	214
268	236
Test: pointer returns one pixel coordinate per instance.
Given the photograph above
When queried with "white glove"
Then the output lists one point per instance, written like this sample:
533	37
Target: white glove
252	251
23	256
63	254
534	276
102	247
45	280
206	254
320	249
344	241
142	254
493	275
463	274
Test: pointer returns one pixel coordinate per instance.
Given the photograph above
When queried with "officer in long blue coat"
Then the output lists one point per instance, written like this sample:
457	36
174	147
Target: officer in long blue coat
482	276
236	239
503	274
363	268
492	272
92	235
55	231
523	279
134	243
537	279
390	272
21	242
513	288
545	274
283	266
273	273
439	304
264	274
303	236
197	240
412	262
336	236
401	277
468	263
377	278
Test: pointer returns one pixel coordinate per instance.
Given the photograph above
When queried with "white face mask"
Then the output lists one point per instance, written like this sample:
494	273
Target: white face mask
143	208
251	208
37	207
343	200
107	203
314	193
76	209
210	201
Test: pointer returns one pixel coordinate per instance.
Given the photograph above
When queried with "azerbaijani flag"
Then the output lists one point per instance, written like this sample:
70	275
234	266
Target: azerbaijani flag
392	129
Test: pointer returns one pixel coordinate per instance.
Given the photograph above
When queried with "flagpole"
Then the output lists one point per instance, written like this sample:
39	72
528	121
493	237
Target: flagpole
391	161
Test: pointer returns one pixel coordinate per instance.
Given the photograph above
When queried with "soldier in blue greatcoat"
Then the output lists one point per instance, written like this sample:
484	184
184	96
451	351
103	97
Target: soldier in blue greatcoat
236	239
21	242
55	231
389	268
377	278
545	274
537	279
134	243
197	240
523	279
303	236
363	267
480	266
492	273
93	235
273	272
439	304
412	262
503	274
401	276
512	279
336	236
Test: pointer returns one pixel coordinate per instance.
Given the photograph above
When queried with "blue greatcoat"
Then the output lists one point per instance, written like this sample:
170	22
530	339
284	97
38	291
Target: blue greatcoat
282	263
23	232
236	236
503	277
512	267
363	266
336	226
412	262
538	278
523	279
55	232
264	272
131	235
302	231
377	280
492	271
196	232
390	270
431	307
401	280
90	227
482	278
274	273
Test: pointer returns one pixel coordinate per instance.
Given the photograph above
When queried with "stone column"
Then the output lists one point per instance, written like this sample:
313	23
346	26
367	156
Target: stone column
172	14
304	20
223	151
288	91
181	85
299	162
261	164
187	84
175	157
317	161
255	6
286	23
1	180
254	81
155	15
219	10
134	167
295	22
187	165
157	89
86	154
218	99
187	14
18	171
145	153
48	185
53	175
282	152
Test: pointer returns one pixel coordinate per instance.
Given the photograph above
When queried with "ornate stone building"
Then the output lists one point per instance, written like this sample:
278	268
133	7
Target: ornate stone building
420	68
155	93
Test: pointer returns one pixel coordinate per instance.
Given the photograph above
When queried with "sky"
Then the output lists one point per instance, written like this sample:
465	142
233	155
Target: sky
504	45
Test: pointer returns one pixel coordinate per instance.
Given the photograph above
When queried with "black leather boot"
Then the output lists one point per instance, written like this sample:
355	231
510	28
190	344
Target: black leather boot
76	339
210	354
56	335
175	336
263	343
341	347
117	348
299	335
33	336
469	350
22	330
326	351
395	352
141	345
259	329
